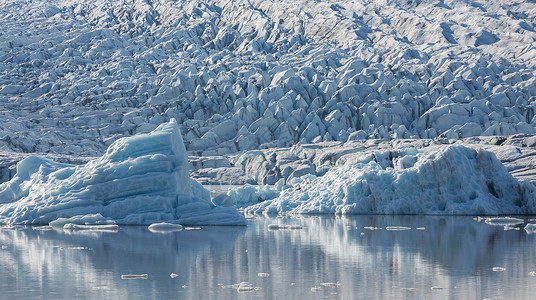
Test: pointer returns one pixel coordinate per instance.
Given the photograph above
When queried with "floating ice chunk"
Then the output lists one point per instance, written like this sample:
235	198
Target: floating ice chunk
506	227
530	228
173	275
498	269
4	247
532	273
315	289
436	288
263	275
331	284
371	228
82	220
397	228
504	221
276	227
165	227
192	228
245	287
135	276
71	226
294	227
139	180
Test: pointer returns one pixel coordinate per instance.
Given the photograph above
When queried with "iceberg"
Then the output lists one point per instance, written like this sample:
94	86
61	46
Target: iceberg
142	179
451	180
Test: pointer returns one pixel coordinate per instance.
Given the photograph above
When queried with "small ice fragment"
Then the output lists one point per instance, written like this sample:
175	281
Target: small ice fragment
294	227
184	286
108	227
397	228
436	288
331	284
532	273
100	288
173	275
348	227
503	221
244	287
498	269
42	228
4	247
506	227
276	227
316	289
192	228
292	283
530	228
263	274
165	227
421	228
78	248
257	288
362	233
408	289
371	228
135	276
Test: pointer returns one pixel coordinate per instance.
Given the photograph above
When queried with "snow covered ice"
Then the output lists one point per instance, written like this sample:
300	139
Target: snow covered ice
142	179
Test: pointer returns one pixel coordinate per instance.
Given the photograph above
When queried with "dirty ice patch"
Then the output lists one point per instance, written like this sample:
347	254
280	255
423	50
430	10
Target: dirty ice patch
454	180
142	179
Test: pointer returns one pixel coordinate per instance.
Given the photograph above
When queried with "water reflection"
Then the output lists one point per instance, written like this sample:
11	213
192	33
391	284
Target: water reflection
333	257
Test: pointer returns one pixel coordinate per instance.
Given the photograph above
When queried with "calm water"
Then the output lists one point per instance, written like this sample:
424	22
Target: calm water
451	258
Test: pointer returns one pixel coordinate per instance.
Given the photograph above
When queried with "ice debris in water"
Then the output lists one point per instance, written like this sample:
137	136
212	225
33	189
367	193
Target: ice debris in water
498	269
135	276
451	180
532	273
244	287
530	228
397	228
506	221
278	227
173	275
141	179
165	227
263	274
71	226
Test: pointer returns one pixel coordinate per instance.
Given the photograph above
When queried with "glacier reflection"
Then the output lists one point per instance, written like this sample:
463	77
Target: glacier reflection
334	257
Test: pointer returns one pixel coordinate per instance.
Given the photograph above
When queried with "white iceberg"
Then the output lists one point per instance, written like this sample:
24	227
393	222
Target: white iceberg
454	180
142	179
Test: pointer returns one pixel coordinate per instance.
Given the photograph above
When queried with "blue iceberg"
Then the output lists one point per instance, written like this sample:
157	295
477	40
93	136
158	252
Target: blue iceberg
142	179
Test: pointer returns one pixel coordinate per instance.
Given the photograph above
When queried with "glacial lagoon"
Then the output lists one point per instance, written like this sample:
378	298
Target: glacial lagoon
318	257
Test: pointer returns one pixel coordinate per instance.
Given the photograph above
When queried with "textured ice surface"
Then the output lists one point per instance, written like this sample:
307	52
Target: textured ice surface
75	75
453	180
142	179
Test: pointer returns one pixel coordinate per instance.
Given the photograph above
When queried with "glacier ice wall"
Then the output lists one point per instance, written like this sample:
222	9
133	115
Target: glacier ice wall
139	180
453	180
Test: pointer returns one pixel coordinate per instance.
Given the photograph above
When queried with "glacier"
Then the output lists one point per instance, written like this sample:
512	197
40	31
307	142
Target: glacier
142	179
450	180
